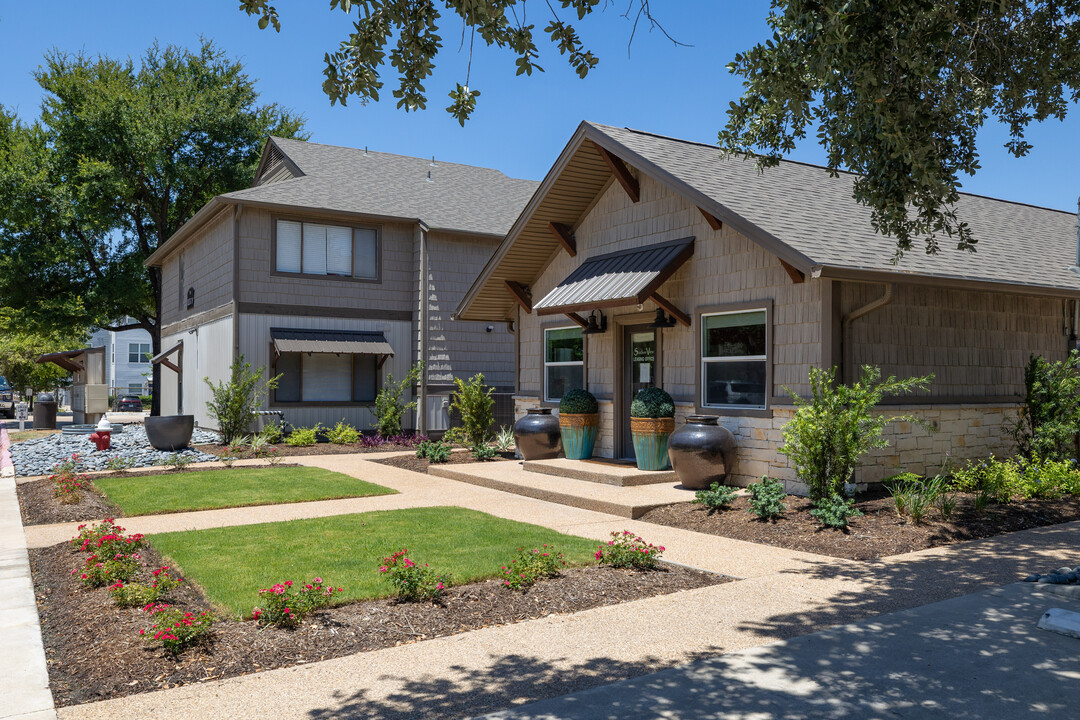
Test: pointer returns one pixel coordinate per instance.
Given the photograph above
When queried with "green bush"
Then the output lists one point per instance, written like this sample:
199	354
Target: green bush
717	497
285	607
914	497
433	451
835	511
531	565
146	400
412	581
833	428
1001	481
505	440
484	453
303	437
578	402
233	403
272	433
472	402
175	629
389	408
767	498
343	434
652	402
1049	420
627	550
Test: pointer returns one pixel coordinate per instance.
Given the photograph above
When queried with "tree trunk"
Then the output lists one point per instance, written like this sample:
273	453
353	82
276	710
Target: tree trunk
155	343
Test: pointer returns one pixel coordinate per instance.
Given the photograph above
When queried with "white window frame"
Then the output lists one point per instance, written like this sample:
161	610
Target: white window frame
142	359
376	275
581	362
705	360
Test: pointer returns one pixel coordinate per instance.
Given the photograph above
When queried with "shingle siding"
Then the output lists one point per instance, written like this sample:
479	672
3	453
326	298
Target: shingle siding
208	268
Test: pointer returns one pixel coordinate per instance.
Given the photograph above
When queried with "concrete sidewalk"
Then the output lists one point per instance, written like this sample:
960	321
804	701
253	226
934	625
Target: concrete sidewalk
977	656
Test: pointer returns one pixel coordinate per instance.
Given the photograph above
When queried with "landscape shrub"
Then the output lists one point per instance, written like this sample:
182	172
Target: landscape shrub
483	453
1049	419
106	538
716	497
1001	481
767	498
102	570
119	464
627	550
272	455
434	451
285	606
146	400
343	434
472	402
504	439
69	465
578	402
389	407
176	462
138	594
652	402
833	428
411	581
303	437
914	497
233	403
272	433
66	486
174	629
531	565
835	511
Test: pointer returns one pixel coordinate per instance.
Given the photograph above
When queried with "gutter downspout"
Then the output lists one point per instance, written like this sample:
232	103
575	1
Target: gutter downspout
848	349
236	282
421	404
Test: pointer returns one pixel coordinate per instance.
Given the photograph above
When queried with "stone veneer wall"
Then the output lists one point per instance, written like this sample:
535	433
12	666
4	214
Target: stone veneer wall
949	433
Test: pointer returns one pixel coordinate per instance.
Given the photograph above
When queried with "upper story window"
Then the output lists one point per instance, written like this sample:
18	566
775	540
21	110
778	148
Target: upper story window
564	361
734	362
138	353
315	249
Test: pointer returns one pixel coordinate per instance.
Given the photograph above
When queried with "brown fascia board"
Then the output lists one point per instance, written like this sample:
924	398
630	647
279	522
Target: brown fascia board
538	196
205	214
856	274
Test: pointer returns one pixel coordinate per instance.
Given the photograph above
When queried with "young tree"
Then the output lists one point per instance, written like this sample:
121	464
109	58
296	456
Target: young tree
895	91
20	349
120	158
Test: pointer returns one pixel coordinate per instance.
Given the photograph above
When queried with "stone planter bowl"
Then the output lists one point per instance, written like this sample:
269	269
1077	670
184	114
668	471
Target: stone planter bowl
169	432
651	441
537	435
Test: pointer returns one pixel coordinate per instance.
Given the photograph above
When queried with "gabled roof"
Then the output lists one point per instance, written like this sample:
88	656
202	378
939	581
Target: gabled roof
796	211
444	196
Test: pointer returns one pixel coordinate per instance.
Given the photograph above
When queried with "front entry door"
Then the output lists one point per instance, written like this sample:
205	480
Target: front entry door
640	353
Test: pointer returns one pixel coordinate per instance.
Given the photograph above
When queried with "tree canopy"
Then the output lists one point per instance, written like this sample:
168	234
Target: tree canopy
895	91
121	157
21	348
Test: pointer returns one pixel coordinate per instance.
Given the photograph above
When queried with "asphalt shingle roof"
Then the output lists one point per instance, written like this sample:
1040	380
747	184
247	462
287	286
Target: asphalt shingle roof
457	197
815	215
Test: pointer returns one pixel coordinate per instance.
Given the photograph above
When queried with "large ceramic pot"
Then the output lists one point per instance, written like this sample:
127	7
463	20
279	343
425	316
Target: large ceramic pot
702	452
579	432
169	432
651	441
537	435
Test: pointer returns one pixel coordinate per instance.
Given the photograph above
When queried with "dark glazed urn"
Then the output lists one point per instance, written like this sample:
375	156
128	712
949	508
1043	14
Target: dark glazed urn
169	432
537	435
702	452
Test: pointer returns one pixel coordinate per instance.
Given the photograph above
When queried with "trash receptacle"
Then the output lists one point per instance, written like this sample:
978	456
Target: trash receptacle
45	412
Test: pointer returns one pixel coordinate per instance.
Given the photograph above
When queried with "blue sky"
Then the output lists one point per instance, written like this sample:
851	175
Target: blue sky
521	124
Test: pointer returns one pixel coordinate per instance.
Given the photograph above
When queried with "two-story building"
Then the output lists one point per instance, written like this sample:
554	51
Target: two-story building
338	268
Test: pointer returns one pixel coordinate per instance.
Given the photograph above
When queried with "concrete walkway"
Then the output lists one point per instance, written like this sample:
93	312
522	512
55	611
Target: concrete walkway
978	656
24	684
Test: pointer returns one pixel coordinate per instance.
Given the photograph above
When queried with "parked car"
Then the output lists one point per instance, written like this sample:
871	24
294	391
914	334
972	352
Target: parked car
7	398
129	403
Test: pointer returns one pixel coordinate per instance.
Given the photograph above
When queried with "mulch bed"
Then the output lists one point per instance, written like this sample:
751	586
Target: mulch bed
283	450
421	465
39	507
94	651
878	533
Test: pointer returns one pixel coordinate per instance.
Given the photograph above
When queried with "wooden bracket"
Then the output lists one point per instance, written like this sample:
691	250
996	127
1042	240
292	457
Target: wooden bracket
622	173
668	306
711	219
521	294
578	319
382	360
794	273
565	237
169	364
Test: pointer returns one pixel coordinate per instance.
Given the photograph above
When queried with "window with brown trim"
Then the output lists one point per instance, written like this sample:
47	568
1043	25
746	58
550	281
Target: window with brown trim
309	248
734	359
326	378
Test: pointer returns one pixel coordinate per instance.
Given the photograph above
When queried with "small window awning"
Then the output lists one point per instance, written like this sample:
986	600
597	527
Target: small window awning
350	342
163	357
628	277
68	360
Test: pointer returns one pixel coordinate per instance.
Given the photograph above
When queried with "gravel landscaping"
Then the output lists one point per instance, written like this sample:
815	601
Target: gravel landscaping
1061	576
94	651
38	456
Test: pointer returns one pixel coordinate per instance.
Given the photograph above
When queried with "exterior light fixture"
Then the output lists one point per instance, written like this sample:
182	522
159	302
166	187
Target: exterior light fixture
592	327
662	321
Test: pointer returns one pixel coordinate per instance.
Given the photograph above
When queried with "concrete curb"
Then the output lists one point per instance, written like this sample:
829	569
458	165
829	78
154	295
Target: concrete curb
7	467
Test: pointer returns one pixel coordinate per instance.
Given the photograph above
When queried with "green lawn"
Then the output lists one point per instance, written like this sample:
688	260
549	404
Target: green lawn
235	487
231	564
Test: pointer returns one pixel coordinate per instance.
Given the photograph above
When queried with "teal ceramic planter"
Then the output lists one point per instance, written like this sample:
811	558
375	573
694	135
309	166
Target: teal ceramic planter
651	437
579	433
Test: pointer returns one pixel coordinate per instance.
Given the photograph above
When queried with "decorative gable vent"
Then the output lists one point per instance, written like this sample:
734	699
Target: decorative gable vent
275	168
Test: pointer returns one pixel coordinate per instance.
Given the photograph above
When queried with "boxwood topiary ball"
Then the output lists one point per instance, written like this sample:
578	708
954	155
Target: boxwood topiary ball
652	402
578	402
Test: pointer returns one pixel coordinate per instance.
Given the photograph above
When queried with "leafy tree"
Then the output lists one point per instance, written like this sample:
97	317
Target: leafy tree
895	91
21	348
389	404
120	158
233	403
1049	421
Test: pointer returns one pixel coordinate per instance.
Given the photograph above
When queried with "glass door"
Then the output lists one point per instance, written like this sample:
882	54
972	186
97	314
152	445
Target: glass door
640	369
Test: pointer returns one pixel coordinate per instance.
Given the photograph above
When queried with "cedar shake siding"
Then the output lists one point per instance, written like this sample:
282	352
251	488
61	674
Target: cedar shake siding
208	269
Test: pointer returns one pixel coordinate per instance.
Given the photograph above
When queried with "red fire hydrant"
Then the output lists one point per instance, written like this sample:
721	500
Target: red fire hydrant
102	437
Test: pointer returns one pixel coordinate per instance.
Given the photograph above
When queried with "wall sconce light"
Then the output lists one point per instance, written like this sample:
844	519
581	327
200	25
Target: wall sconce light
662	321
592	327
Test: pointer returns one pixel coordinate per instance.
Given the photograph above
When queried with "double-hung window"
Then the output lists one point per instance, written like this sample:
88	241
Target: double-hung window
564	361
316	249
734	362
139	353
326	378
